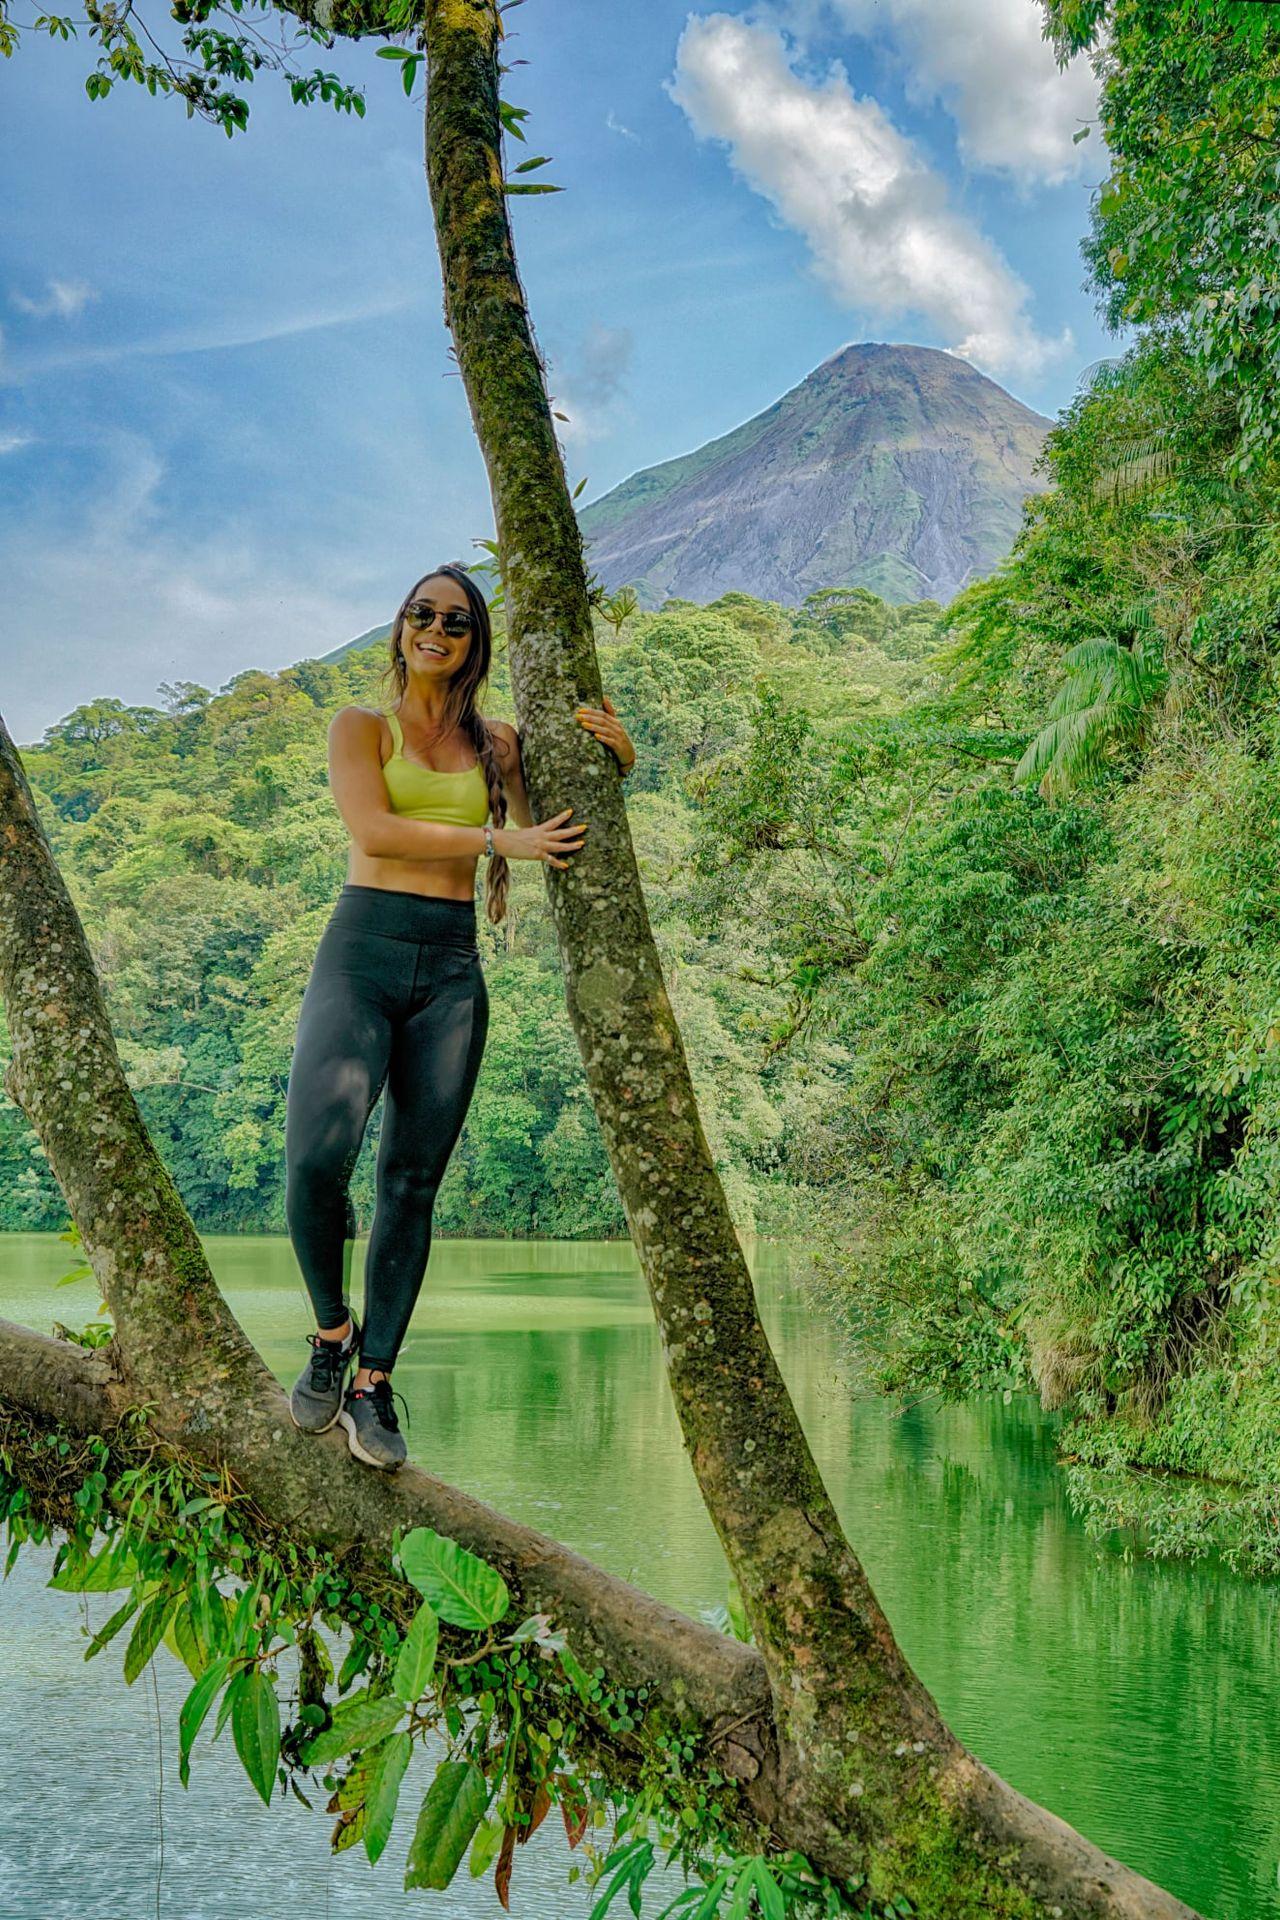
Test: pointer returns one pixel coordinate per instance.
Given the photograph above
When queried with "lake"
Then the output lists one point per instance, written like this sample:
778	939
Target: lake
1137	1700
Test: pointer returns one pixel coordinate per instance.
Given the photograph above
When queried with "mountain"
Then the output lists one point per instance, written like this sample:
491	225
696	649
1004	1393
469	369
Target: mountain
361	641
902	469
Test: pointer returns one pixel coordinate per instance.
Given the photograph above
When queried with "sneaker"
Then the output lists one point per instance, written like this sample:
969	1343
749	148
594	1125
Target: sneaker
373	1432
316	1400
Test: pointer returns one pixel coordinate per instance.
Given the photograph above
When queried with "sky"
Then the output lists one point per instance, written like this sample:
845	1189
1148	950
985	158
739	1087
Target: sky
232	433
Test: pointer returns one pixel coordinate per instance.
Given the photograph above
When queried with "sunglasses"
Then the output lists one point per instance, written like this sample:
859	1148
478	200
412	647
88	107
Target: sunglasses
420	616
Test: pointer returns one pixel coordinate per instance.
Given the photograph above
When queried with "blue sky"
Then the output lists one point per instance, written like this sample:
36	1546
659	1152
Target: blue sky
231	433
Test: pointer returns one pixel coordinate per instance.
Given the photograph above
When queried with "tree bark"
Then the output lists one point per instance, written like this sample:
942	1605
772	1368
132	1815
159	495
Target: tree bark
843	1752
862	1748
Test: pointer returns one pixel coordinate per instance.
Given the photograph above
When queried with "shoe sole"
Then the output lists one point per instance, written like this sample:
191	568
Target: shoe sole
383	1466
328	1425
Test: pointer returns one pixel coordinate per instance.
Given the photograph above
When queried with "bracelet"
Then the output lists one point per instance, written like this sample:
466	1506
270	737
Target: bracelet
488	840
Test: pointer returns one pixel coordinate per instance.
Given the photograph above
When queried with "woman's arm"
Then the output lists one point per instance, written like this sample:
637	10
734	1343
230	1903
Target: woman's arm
360	794
606	726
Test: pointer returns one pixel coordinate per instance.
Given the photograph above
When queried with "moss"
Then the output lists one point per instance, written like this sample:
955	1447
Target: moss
943	1876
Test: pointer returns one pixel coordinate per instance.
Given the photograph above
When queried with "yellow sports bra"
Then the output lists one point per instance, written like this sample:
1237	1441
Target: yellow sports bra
458	799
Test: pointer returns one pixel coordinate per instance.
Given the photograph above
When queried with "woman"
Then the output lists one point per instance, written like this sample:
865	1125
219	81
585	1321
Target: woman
397	993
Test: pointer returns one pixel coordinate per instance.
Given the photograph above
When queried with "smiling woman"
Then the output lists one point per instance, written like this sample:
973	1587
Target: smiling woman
397	993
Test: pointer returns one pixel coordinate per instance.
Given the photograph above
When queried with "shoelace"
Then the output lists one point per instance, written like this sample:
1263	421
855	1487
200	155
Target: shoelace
383	1396
327	1362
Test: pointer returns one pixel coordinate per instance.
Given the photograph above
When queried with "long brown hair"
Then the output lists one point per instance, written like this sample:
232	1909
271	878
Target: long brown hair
460	710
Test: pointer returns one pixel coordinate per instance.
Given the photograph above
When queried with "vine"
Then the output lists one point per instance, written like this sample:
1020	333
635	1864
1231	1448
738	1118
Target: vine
523	1725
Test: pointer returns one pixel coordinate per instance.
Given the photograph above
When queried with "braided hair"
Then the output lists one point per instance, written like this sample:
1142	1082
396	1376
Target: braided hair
460	711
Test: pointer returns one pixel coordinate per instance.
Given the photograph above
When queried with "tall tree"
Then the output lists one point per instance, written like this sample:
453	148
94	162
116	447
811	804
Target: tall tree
843	1753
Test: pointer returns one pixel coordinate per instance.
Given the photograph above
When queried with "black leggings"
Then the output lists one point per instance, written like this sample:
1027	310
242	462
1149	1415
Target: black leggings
397	995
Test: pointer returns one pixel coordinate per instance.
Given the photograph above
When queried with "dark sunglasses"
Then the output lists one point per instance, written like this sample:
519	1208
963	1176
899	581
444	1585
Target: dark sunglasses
419	616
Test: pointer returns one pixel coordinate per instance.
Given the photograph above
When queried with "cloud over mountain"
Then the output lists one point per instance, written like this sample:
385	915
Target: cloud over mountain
874	214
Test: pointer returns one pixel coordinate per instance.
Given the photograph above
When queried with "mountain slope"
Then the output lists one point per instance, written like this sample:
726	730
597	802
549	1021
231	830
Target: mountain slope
361	641
901	469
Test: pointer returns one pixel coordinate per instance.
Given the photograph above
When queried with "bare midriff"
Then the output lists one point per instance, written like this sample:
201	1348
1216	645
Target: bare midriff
447	879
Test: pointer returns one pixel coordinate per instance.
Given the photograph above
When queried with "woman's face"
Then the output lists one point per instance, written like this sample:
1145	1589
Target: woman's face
431	654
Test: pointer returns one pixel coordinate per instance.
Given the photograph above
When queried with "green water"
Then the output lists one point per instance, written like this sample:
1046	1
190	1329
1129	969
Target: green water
1138	1701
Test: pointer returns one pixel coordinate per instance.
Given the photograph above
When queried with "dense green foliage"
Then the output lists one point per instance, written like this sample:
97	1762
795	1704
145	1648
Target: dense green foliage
1186	228
1039	906
204	852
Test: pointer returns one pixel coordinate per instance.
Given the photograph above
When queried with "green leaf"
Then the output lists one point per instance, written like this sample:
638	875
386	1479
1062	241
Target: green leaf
182	1637
357	1659
226	1705
384	1793
361	1723
112	1627
210	1611
687	1898
577	1673
76	1273
710	1904
627	1867
242	1619
463	1589
767	1891
417	1655
740	1897
195	1709
148	1631
113	1567
737	1613
255	1728
452	1810
484	1852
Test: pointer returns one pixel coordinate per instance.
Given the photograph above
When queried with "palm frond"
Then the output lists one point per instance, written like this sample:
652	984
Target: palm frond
1102	703
1140	461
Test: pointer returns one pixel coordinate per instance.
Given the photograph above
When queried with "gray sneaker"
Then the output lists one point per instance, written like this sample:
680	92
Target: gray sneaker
373	1432
316	1400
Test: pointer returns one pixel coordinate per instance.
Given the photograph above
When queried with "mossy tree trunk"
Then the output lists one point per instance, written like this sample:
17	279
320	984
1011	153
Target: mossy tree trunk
843	1753
864	1754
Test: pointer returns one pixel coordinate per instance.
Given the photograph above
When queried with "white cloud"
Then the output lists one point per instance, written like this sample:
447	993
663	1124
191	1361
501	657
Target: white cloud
14	442
873	212
989	64
587	389
615	126
156	601
64	300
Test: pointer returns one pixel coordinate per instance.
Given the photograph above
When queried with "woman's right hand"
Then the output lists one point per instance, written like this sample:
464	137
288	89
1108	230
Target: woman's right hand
543	842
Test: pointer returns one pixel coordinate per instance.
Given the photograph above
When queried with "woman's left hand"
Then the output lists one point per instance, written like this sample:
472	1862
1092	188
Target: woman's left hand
606	726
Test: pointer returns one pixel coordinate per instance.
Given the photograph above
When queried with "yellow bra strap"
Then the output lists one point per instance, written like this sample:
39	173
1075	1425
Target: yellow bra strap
397	734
